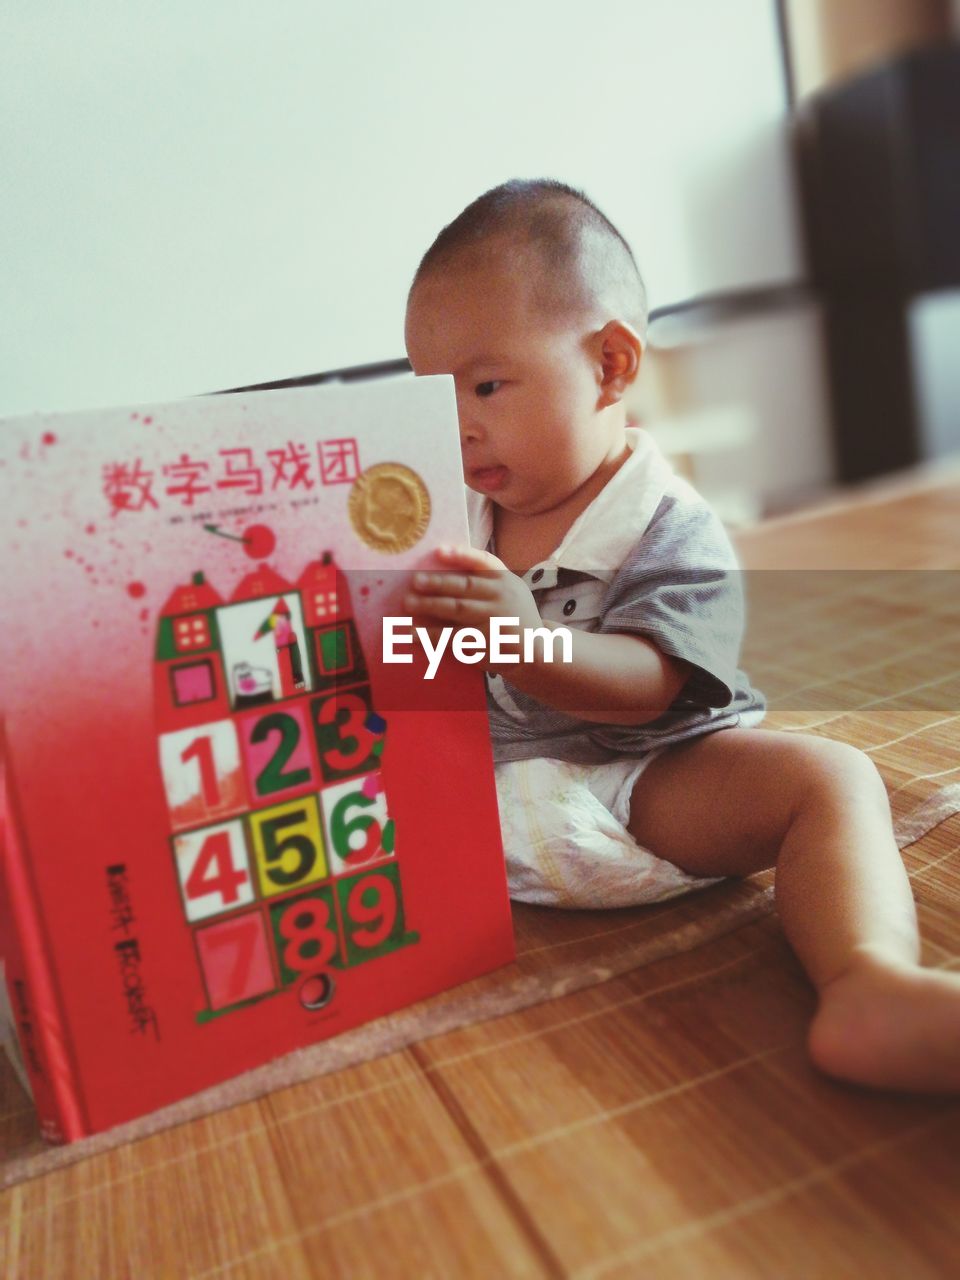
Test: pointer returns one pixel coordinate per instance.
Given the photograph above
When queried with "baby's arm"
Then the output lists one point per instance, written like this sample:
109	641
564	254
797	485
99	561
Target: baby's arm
612	679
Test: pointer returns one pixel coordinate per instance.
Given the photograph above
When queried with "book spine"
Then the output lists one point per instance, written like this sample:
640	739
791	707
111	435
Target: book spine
35	1009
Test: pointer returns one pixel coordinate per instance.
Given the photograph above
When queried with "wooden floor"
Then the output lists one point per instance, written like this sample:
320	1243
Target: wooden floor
663	1124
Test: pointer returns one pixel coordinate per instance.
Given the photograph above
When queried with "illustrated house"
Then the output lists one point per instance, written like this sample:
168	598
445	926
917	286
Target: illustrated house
328	613
323	591
263	581
190	683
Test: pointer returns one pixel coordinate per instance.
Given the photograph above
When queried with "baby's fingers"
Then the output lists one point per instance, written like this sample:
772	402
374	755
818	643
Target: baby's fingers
451	609
454	584
471	558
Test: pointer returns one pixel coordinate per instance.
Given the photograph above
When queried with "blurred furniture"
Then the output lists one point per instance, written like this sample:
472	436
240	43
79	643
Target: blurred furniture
879	163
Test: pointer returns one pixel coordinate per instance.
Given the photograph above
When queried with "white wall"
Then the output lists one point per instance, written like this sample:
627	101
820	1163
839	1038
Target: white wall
198	195
769	371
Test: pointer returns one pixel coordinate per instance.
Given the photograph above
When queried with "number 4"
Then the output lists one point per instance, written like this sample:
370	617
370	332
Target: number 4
225	880
213	869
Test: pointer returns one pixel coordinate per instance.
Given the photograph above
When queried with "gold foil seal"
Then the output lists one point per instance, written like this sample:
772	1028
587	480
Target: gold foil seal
389	507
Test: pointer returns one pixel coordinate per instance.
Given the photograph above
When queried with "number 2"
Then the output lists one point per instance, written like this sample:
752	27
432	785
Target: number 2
271	777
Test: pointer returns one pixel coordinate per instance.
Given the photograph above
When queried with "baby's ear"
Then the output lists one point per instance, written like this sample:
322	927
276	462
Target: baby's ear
620	354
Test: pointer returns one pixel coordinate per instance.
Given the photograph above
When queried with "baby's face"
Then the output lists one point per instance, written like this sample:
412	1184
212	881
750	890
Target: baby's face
527	388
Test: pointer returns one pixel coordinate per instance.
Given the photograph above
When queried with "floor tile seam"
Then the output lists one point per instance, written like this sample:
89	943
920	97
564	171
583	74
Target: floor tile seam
754	1204
904	797
406	1193
922	777
826	609
481	1050
499	1184
601	933
410	1076
841	597
913	689
766	671
456	1174
381	1086
208	1148
884	580
935	724
781	640
881	612
776	701
134	1174
580	1019
279	1152
144	1171
14	1220
525	1145
274	1122
874	702
920	872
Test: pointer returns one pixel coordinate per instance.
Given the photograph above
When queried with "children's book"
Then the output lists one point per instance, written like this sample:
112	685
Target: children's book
230	828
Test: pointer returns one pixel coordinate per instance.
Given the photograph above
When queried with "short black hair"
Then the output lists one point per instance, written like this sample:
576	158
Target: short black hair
582	252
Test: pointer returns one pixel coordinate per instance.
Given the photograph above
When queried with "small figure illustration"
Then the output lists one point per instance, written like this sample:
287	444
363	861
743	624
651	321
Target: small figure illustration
285	640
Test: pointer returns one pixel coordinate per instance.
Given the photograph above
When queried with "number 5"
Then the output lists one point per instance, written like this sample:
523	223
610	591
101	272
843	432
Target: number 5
275	850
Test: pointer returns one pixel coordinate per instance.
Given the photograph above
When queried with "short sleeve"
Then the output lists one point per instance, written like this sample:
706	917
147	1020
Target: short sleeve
680	586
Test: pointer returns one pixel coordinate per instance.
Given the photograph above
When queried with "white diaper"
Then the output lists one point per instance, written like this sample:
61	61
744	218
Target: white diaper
565	838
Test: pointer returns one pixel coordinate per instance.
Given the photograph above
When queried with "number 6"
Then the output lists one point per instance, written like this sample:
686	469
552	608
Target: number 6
341	830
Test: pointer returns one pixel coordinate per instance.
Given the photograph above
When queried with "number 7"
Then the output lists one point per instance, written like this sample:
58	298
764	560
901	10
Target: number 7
240	939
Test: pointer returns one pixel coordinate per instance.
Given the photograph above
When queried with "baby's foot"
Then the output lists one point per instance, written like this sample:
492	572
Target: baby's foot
891	1025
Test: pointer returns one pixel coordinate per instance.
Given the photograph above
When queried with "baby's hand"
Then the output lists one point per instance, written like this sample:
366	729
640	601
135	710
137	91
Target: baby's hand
473	589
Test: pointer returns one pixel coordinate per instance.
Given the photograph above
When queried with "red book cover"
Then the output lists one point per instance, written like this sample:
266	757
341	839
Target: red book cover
230	829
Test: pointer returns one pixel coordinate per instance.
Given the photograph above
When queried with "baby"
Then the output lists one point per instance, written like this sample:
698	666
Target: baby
615	781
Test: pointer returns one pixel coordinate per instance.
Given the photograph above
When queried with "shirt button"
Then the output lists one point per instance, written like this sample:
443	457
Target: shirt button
569	607
536	575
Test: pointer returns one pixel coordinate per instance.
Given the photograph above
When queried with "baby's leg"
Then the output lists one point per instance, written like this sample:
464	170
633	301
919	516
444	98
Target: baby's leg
740	800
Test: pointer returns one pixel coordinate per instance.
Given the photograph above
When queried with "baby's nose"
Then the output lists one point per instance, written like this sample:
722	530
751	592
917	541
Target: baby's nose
470	427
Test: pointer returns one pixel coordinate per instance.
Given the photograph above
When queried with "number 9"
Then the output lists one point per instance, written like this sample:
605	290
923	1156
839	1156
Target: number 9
379	916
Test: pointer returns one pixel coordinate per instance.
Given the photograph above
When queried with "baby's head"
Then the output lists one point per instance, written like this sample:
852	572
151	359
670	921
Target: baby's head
532	299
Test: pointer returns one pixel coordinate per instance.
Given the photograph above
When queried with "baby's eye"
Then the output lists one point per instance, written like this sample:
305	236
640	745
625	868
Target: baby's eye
487	388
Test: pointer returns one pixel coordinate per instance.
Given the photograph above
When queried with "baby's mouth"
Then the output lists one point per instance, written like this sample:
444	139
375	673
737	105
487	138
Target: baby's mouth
490	478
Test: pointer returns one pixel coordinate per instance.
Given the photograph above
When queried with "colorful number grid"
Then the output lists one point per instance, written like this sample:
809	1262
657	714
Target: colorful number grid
283	844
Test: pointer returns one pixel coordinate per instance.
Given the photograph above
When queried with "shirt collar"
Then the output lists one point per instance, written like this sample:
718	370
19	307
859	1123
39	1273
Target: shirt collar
599	539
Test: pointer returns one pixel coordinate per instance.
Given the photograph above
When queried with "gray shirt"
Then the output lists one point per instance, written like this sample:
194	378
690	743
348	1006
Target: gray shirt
677	584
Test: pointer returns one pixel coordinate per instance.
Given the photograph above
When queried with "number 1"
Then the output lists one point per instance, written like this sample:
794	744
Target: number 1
201	751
